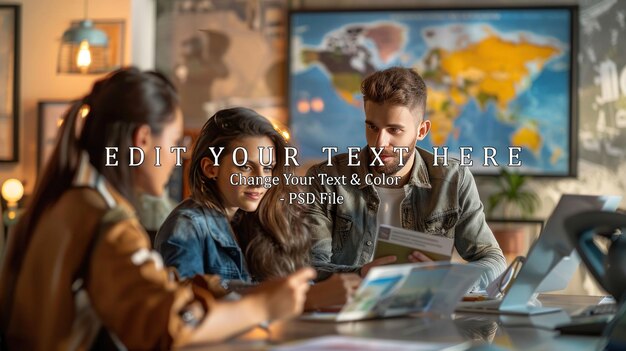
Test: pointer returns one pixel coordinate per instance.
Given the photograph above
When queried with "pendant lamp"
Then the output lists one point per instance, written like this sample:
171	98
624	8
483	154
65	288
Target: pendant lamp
84	49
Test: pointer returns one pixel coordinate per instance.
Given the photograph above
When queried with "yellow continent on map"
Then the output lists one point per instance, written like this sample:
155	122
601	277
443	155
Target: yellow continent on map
528	138
491	69
496	66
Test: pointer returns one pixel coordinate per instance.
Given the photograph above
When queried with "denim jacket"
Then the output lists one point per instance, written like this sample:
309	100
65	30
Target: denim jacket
197	240
438	201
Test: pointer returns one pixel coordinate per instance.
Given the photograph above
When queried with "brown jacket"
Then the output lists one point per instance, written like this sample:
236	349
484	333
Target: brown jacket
126	289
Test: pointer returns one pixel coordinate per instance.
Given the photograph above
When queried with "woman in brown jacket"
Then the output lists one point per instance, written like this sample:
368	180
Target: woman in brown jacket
79	272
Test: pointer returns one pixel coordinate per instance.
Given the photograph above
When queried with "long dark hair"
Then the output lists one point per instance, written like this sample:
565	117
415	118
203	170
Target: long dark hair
118	105
280	243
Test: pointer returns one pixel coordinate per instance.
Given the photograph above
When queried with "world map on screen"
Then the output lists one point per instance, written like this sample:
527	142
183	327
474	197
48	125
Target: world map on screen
495	78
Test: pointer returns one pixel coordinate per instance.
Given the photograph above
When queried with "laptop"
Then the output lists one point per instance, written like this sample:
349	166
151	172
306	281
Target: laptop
396	290
550	264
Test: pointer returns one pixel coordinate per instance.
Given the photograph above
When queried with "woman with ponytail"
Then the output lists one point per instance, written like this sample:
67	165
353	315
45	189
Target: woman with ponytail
236	226
78	272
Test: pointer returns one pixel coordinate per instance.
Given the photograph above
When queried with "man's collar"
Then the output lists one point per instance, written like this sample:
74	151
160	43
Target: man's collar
419	172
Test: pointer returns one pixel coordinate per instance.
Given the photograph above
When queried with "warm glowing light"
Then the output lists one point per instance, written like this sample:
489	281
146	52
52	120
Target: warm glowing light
304	106
83	59
317	104
12	191
282	130
84	111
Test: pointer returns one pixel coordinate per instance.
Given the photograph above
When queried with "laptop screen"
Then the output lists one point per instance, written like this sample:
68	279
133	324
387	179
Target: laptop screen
553	250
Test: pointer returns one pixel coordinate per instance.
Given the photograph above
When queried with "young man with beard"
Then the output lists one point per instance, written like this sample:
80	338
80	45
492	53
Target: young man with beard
436	200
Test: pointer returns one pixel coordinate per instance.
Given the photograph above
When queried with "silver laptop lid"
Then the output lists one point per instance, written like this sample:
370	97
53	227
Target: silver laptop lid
552	247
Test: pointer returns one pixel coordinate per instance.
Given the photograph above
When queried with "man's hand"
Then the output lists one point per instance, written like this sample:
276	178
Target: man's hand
417	256
377	262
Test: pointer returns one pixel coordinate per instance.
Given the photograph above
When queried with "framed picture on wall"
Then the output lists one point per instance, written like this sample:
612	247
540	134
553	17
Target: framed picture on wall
9	82
49	120
496	78
222	54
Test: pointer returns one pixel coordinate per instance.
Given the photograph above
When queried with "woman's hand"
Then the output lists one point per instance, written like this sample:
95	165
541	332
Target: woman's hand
285	297
276	299
336	290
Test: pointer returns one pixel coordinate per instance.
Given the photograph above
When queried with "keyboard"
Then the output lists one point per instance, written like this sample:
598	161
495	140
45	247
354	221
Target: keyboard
594	310
591	321
585	325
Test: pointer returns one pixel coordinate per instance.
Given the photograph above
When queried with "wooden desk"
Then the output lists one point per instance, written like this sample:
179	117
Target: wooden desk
508	332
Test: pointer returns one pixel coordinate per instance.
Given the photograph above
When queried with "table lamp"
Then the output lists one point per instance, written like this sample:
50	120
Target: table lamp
12	192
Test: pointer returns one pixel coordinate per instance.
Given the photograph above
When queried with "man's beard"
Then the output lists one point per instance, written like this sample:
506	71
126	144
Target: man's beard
393	167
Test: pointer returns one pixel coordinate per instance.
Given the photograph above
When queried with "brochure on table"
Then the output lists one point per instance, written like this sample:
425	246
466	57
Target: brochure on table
395	290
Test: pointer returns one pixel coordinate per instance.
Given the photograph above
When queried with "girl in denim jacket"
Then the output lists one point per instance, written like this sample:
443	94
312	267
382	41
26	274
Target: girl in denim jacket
238	223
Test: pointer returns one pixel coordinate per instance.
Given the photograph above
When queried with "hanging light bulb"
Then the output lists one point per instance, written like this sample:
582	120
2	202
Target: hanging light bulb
84	49
83	59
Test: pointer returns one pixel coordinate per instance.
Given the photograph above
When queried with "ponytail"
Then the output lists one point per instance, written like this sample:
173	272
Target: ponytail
118	104
56	179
